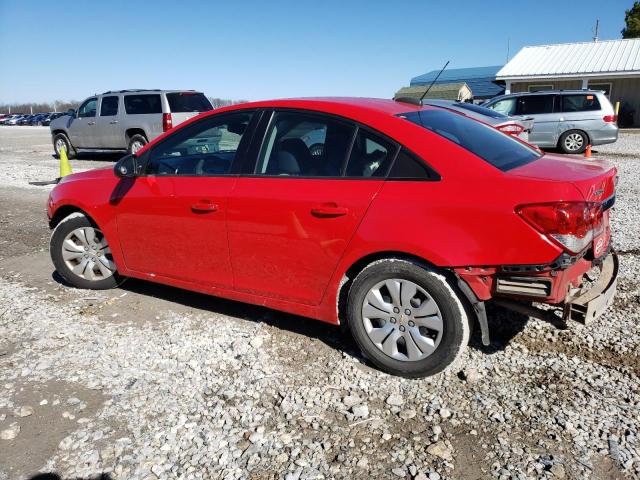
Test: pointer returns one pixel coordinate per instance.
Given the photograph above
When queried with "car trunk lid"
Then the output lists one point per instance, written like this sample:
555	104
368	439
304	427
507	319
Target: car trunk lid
595	179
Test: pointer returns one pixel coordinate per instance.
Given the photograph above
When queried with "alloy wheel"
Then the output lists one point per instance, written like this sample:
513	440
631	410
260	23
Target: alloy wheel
573	142
402	320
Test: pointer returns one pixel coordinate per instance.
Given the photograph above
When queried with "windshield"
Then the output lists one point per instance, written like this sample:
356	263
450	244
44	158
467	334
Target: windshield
497	148
188	102
481	110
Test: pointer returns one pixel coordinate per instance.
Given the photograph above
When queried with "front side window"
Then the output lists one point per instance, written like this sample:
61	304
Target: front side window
109	106
497	148
535	104
205	148
580	103
370	156
506	106
307	145
88	108
142	104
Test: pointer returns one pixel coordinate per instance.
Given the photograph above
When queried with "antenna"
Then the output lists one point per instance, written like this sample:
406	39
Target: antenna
508	45
596	30
434	81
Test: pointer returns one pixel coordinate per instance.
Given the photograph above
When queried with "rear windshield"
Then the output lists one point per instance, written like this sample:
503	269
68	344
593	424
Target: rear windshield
141	104
188	102
497	148
481	110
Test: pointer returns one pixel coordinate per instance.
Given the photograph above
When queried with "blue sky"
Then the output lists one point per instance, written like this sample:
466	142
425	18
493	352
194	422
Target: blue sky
269	49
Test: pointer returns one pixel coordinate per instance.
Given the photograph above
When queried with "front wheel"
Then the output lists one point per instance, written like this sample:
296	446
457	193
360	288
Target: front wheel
407	319
81	254
574	141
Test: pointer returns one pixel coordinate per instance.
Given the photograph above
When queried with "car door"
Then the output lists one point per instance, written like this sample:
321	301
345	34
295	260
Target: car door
108	131
172	219
291	219
82	128
581	111
546	120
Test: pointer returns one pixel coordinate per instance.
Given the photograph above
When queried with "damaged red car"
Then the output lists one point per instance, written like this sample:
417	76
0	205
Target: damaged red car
399	220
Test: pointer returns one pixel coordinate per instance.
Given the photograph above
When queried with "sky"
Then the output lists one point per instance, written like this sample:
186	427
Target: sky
245	49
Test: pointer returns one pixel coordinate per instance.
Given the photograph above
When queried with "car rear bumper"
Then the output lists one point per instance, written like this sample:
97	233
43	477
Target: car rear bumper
607	134
564	284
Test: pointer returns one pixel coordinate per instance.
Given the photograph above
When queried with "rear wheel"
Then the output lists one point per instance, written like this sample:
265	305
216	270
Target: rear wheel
573	141
136	143
61	141
81	254
406	318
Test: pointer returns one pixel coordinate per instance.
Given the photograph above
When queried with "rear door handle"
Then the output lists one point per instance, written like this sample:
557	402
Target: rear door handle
91	123
204	206
113	122
329	210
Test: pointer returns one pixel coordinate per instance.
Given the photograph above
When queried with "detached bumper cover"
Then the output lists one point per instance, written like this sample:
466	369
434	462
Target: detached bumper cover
588	305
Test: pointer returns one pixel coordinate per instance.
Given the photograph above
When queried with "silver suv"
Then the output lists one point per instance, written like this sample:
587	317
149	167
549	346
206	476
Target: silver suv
124	120
567	119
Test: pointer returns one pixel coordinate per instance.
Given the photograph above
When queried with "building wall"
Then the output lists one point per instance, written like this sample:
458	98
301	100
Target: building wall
623	90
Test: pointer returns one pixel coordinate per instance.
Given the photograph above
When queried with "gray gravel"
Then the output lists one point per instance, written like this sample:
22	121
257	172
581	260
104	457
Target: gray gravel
219	391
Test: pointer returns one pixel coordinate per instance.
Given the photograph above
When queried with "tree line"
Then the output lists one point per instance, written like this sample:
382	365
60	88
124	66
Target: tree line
63	106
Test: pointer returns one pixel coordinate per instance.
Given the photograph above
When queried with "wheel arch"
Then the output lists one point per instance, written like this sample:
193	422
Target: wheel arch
130	132
64	211
586	134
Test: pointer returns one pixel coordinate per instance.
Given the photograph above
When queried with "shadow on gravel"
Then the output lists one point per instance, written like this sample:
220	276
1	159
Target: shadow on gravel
99	157
504	325
53	476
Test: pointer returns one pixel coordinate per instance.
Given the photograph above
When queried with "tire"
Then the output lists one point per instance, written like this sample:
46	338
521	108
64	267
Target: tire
437	349
61	139
136	143
70	251
573	141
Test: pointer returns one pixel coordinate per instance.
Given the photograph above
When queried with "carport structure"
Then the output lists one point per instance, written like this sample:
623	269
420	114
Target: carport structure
611	65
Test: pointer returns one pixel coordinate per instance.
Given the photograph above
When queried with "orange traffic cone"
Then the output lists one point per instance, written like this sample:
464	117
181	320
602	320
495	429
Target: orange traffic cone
587	152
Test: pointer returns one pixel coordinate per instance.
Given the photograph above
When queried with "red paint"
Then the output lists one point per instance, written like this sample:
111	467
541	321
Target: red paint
286	242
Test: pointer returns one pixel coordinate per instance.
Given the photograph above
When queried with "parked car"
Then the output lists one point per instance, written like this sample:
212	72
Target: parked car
403	227
7	118
125	120
36	119
566	119
15	120
517	126
49	118
26	119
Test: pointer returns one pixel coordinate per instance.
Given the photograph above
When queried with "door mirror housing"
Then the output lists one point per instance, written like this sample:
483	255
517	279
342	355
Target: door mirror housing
71	112
127	167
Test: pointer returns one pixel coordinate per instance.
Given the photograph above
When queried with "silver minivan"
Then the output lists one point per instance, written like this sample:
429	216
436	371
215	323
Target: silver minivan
124	119
565	119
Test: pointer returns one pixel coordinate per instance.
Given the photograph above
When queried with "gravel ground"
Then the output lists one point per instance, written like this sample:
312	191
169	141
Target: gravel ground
150	382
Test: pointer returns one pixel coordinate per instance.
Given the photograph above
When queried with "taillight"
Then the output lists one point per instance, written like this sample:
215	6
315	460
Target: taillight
572	224
511	128
167	122
610	118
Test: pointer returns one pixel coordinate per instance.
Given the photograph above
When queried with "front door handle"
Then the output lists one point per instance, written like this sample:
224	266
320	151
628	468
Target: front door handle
204	206
113	122
329	210
91	123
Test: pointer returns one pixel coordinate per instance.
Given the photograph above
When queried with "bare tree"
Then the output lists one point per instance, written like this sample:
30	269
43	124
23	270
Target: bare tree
36	107
224	102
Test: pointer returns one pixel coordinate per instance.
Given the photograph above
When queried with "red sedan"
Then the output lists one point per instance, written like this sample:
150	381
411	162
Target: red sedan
398	219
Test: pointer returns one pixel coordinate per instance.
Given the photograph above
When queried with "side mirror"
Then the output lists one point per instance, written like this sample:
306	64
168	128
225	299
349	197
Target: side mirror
71	112
127	167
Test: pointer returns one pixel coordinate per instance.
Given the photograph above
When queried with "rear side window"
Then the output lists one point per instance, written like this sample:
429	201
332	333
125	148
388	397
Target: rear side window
109	106
535	104
371	155
497	148
188	102
141	104
303	145
580	103
408	167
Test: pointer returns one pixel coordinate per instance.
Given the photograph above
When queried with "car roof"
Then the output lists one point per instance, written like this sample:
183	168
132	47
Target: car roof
336	105
549	92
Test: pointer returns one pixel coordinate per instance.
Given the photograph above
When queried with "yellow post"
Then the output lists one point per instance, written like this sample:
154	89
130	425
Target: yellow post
617	107
65	166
